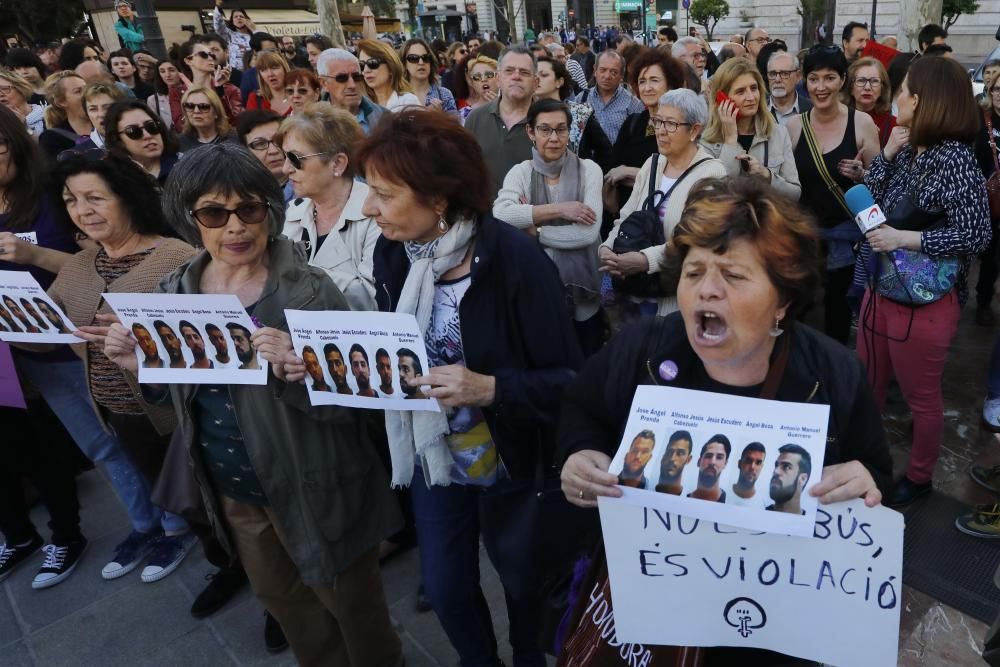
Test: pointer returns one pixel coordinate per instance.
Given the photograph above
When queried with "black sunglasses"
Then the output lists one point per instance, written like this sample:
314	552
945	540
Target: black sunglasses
342	78
371	63
208	55
414	58
296	160
134	132
250	212
200	106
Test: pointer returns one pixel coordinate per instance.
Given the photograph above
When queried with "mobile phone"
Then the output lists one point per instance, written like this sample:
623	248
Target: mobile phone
721	97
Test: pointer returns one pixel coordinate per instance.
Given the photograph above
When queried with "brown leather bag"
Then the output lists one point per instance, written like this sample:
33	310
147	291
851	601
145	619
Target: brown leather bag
993	182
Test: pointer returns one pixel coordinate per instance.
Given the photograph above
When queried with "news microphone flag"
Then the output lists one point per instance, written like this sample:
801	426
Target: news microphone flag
862	204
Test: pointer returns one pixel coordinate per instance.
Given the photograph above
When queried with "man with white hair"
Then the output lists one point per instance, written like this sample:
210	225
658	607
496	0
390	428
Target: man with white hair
342	77
558	52
688	49
782	77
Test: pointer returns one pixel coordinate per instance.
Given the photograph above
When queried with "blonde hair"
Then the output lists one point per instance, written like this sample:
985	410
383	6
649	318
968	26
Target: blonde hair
327	130
722	80
18	81
884	102
221	121
267	60
55	93
385	52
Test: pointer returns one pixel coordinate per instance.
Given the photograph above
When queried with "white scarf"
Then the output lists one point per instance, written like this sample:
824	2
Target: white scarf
423	433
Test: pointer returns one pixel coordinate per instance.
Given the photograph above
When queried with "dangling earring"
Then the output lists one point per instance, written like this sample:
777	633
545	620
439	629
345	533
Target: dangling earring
777	330
442	224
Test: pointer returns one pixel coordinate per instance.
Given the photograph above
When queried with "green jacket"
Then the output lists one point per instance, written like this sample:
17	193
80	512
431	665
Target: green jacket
318	466
130	34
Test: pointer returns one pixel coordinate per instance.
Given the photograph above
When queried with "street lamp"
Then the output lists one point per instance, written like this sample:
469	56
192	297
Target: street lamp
151	28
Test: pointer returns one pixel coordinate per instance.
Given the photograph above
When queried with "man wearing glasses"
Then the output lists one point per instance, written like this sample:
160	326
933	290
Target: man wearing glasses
755	40
689	50
782	78
342	79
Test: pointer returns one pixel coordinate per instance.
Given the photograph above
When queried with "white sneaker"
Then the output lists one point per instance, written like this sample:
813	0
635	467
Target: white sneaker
991	412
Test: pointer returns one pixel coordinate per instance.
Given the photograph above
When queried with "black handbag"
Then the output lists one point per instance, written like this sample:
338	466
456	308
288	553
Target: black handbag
643	229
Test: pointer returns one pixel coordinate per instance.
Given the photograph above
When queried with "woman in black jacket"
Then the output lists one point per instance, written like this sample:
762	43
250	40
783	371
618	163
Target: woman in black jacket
501	350
745	260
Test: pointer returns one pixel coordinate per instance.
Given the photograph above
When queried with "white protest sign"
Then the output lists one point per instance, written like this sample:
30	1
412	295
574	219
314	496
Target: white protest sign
740	461
191	338
28	315
834	597
27	237
358	359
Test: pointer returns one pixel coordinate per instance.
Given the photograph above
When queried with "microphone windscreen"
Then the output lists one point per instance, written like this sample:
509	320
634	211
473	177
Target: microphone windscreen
859	198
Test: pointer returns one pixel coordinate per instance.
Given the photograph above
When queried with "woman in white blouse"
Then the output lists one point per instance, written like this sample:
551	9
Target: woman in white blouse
385	80
556	197
326	215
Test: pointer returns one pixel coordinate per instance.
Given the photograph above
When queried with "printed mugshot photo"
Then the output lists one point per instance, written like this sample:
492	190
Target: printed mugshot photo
28	315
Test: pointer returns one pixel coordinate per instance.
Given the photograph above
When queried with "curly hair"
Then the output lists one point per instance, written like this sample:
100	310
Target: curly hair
721	211
672	68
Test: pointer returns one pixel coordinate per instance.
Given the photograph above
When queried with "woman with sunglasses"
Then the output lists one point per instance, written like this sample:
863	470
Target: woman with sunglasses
385	82
205	121
477	84
133	131
237	31
206	73
271	71
868	90
66	120
421	73
319	148
167	77
312	505
302	88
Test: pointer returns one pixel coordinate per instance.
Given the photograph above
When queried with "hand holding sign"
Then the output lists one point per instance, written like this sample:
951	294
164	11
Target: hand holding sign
16	250
585	476
119	347
456	386
847	481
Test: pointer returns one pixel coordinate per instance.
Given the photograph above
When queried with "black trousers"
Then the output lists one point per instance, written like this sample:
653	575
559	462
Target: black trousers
837	312
35	449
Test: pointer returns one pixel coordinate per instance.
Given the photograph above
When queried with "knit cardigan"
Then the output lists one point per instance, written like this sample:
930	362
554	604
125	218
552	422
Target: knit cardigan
79	290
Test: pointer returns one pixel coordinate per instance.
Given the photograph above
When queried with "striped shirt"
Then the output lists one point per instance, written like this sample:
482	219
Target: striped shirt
611	115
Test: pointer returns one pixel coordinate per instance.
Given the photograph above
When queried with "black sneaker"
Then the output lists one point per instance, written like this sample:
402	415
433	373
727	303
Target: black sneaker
11	556
223	585
60	561
132	551
274	636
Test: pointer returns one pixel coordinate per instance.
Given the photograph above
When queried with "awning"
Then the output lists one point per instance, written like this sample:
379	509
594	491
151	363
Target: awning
282	22
441	12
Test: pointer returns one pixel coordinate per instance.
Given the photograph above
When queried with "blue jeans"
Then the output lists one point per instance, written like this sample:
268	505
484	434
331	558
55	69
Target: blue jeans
63	385
449	520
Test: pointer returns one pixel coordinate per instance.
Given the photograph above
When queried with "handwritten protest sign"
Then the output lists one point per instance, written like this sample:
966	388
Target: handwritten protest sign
27	315
740	461
341	348
191	338
681	581
11	395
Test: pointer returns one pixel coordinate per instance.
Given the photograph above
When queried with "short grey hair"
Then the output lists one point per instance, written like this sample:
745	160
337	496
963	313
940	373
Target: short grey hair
332	56
227	169
691	104
554	47
520	50
680	46
778	54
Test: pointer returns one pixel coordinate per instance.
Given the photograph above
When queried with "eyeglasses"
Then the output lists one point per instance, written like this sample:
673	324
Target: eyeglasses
760	40
207	55
670	126
413	58
781	74
213	217
544	131
461	52
372	64
200	106
296	160
298	91
873	82
479	76
262	144
700	55
6	90
134	132
342	78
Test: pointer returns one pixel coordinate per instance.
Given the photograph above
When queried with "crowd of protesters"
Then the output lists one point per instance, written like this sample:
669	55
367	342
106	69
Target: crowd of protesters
559	216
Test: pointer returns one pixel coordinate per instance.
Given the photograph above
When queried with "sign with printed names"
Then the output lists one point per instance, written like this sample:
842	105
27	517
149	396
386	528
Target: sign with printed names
191	338
28	315
678	581
361	359
744	462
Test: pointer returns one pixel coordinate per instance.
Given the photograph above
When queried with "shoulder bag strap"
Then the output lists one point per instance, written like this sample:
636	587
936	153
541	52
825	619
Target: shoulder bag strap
651	186
817	156
993	141
666	195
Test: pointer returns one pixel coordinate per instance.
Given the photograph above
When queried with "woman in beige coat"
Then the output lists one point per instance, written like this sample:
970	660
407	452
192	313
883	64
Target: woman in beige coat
678	123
